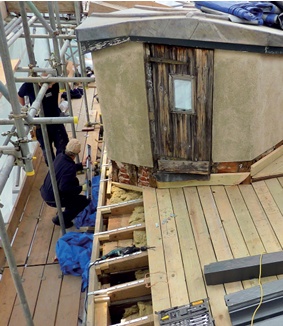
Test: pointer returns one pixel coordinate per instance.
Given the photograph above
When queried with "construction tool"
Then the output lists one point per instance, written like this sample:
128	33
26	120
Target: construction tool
194	314
123	251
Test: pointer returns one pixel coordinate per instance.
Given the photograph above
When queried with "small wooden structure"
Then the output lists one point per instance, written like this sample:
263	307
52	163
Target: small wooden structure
184	95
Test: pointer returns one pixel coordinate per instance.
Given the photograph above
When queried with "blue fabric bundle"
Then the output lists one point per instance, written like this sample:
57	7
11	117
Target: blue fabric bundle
88	216
73	251
259	12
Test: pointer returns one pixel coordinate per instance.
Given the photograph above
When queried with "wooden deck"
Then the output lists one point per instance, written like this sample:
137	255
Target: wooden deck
194	226
189	227
53	298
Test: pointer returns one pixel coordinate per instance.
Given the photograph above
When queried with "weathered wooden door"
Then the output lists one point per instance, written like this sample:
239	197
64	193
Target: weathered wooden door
180	84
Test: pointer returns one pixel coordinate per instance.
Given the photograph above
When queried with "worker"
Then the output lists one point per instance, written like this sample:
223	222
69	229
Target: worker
57	134
68	184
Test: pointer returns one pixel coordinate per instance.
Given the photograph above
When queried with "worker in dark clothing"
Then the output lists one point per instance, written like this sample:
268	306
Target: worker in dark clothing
57	134
68	184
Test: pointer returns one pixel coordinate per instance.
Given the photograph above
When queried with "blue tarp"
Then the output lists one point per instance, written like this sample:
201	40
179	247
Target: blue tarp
73	251
88	216
260	12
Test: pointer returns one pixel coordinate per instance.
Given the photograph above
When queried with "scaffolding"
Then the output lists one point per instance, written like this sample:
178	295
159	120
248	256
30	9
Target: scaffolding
22	119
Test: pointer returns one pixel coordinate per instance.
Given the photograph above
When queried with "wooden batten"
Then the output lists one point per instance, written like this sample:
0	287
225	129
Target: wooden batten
127	186
66	7
110	6
219	179
268	159
120	208
120	233
122	264
125	291
178	166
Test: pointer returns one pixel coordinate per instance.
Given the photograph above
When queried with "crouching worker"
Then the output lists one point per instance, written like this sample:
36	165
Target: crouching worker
68	184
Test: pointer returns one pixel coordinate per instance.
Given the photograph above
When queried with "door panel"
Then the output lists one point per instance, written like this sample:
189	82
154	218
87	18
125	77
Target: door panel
180	136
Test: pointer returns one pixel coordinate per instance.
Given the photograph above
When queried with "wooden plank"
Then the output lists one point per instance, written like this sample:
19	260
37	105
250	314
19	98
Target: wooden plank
127	208
219	179
42	238
192	268
157	268
173	258
261	222
276	191
271	209
264	162
121	233
231	227
102	315
243	268
217	233
29	221
92	315
118	221
67	7
46	307
52	252
69	297
129	290
21	201
206	255
246	224
127	187
122	207
7	295
178	166
110	6
32	277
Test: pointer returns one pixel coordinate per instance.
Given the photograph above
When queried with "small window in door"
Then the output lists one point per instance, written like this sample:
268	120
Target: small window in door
182	93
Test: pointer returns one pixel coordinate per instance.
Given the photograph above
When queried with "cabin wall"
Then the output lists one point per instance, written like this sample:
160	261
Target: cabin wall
120	77
247	105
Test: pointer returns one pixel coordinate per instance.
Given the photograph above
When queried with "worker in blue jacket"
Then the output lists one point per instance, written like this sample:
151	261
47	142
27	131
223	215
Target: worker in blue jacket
57	134
68	184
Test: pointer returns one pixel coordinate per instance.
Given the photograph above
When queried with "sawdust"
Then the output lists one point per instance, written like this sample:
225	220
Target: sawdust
137	215
139	238
119	195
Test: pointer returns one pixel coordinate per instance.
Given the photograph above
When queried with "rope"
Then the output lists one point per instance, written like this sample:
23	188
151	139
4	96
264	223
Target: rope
261	290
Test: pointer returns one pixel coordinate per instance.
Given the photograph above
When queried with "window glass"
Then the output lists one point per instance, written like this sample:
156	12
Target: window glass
182	96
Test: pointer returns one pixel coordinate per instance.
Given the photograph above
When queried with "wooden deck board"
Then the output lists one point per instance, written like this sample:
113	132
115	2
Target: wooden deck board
46	308
39	251
32	277
7	295
173	259
206	254
69	301
217	233
28	224
157	268
192	268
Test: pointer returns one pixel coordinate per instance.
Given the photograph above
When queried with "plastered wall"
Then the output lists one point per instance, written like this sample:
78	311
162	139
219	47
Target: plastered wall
120	79
247	104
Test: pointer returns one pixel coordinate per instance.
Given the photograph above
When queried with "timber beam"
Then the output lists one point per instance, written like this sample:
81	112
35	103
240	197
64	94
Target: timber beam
246	268
242	304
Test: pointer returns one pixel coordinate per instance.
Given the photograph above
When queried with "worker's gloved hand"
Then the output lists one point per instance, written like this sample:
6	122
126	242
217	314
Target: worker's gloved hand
84	187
